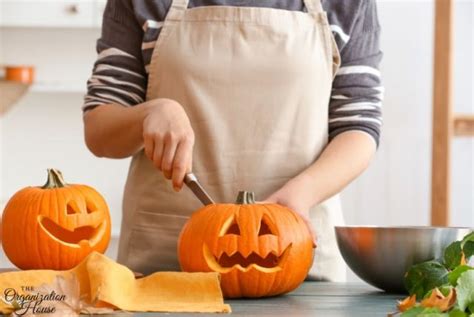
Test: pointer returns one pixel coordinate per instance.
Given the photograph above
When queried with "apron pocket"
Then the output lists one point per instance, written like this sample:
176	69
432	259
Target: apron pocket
153	242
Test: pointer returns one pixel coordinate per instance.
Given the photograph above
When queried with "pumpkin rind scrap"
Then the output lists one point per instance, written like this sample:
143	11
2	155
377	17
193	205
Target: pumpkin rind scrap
55	226
259	249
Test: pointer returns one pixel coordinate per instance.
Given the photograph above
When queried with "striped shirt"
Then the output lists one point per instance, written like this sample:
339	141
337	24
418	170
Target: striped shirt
131	27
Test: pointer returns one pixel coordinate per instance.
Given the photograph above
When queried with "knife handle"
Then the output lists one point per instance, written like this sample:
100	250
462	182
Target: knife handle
192	182
189	178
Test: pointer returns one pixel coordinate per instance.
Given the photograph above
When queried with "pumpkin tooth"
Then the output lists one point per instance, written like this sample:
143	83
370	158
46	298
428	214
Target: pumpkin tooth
211	261
227	253
244	251
218	254
266	252
100	230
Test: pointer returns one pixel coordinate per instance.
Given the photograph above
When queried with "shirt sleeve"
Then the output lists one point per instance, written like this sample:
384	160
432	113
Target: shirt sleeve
357	92
118	75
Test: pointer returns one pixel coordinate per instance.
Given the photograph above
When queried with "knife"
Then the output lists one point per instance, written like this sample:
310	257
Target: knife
192	182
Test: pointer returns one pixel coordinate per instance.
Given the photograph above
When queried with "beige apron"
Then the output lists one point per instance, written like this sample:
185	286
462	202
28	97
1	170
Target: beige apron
255	83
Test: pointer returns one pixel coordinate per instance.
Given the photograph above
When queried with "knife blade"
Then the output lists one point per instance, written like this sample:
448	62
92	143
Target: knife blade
192	182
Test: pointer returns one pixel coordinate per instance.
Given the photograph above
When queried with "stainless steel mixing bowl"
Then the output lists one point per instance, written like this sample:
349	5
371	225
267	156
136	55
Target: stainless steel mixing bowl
381	255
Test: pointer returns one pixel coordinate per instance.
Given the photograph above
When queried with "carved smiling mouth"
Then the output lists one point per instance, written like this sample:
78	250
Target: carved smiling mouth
80	236
225	263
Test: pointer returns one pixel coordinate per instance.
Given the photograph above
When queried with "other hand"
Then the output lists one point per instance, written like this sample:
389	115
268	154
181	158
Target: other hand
290	196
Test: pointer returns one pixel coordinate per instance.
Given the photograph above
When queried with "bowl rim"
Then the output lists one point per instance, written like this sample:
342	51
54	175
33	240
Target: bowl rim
400	227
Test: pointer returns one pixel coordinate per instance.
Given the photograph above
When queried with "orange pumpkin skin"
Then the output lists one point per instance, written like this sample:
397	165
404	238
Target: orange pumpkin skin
259	249
55	226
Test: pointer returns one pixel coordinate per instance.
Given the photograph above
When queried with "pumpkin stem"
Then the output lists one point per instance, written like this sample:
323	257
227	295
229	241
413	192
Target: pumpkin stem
245	198
55	179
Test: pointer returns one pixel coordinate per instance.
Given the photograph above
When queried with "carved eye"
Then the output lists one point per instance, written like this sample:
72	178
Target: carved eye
234	229
266	227
71	208
230	227
90	207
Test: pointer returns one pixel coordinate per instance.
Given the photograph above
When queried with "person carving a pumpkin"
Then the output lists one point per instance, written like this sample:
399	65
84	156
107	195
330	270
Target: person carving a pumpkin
282	98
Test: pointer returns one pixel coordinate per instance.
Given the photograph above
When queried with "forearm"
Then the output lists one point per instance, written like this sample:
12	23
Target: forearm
344	158
115	131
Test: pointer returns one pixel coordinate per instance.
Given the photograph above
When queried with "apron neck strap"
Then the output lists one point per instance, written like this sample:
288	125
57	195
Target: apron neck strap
176	10
314	6
179	6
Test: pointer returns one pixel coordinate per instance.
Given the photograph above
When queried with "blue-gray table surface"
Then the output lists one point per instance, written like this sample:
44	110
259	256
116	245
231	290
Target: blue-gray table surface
311	299
324	299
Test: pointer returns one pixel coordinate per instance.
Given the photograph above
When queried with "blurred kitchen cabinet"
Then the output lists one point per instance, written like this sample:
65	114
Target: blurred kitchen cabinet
51	13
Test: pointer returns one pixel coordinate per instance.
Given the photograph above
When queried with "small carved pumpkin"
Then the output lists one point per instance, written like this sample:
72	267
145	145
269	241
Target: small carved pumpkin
259	249
54	226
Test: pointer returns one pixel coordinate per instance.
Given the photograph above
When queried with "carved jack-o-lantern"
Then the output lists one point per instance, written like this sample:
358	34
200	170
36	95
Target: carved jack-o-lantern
54	226
259	249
